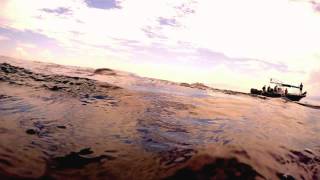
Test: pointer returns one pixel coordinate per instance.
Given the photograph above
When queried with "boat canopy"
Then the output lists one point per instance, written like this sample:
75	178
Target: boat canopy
273	81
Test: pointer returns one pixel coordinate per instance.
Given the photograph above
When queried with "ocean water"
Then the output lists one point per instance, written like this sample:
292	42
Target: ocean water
311	100
65	127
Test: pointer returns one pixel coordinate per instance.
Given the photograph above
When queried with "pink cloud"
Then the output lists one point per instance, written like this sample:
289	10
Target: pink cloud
316	5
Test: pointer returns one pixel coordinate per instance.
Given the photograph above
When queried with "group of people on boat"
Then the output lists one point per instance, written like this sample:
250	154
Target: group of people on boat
278	90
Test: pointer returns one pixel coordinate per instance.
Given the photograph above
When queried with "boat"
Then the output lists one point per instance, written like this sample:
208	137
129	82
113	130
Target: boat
295	97
279	93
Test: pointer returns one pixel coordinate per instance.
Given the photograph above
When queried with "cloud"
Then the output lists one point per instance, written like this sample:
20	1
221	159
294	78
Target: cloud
30	45
244	64
28	37
27	45
153	32
186	8
167	21
315	5
103	4
257	38
58	11
4	38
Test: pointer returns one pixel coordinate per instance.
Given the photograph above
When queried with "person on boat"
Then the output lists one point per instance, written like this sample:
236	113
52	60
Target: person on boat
264	88
301	87
275	89
286	91
268	89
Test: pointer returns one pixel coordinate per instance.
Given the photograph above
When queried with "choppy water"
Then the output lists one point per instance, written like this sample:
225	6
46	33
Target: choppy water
86	132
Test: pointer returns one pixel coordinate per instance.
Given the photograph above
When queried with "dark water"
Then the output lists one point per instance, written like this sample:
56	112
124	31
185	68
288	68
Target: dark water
82	130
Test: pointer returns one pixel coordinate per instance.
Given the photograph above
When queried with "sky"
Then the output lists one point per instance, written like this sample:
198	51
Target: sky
224	43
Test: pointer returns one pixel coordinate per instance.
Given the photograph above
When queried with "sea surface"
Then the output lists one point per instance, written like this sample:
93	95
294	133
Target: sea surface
59	122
